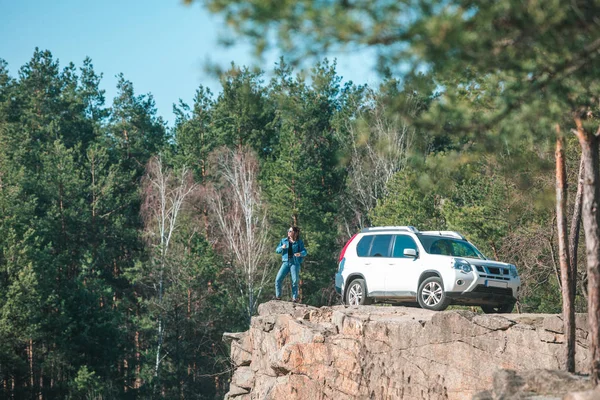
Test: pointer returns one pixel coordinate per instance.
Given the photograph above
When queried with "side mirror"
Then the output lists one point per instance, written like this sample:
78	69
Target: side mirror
410	253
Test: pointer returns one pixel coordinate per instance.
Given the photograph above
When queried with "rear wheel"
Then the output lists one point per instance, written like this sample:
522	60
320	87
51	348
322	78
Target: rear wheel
431	294
499	309
357	293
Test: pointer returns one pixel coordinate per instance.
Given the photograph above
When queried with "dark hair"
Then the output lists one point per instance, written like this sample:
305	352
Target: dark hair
296	231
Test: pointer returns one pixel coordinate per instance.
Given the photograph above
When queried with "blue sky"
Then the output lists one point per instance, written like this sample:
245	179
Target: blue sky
161	46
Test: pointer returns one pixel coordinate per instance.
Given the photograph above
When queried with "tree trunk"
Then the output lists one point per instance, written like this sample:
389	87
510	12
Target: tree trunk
160	323
563	251
31	373
575	225
138	358
591	227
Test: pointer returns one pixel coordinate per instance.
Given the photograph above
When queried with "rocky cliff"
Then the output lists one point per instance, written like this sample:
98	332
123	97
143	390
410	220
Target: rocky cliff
301	352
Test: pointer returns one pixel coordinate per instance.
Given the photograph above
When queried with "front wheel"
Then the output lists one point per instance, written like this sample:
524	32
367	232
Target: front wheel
431	294
357	293
499	309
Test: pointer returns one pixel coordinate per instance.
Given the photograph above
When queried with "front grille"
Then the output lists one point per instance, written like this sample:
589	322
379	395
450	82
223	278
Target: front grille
493	270
493	290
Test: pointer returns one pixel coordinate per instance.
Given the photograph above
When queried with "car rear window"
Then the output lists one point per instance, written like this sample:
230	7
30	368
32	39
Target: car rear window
362	248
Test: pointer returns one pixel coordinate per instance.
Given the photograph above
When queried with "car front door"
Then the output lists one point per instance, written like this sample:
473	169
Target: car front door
402	271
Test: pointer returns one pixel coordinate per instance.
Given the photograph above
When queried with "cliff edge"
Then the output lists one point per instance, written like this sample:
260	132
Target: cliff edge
300	352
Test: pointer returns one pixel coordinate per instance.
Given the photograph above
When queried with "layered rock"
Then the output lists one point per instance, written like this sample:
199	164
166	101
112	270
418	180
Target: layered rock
301	352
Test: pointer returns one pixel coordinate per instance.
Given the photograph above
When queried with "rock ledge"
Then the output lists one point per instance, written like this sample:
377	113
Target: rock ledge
300	352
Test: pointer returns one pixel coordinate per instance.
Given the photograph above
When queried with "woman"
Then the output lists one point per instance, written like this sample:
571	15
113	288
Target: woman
292	253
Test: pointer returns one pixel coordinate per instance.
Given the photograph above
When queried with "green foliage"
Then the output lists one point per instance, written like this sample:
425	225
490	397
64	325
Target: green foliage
86	385
479	206
534	51
193	133
411	200
242	114
67	213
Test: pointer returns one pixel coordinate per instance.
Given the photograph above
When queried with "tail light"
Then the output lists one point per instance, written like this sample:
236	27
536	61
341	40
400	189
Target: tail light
346	246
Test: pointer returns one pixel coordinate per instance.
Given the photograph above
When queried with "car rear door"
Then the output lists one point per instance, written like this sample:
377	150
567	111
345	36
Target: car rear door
375	261
402	272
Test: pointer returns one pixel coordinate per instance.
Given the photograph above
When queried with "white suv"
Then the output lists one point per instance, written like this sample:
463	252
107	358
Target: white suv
398	264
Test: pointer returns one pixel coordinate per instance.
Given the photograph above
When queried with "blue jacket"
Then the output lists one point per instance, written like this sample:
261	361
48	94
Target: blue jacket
297	247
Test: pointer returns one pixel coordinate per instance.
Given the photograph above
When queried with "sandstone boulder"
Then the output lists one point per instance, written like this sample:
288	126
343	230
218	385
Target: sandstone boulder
296	351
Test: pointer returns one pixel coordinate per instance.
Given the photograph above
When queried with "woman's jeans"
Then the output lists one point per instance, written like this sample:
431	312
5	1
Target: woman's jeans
286	268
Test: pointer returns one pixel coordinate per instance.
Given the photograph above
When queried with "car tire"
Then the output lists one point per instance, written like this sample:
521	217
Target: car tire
505	308
431	294
356	294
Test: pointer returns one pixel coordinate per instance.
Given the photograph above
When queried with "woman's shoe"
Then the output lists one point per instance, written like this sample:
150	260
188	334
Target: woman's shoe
296	300
276	298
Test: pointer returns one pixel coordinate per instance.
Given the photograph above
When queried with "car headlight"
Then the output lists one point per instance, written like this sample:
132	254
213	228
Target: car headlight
462	265
513	271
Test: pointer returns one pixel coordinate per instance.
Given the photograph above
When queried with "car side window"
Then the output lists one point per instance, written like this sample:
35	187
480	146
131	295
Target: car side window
403	242
362	248
381	246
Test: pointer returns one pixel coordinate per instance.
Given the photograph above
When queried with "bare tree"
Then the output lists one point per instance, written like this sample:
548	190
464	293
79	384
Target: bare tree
165	192
566	277
575	225
379	143
237	207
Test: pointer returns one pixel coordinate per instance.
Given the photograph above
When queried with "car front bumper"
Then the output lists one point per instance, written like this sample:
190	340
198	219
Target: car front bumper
457	281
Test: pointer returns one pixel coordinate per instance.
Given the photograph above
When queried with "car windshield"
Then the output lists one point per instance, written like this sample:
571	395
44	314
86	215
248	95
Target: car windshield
446	246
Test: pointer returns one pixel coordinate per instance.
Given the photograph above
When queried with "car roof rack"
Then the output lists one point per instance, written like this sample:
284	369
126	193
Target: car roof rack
444	233
391	228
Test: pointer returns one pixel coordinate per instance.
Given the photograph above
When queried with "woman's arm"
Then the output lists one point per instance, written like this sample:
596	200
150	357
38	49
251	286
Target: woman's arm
279	249
303	251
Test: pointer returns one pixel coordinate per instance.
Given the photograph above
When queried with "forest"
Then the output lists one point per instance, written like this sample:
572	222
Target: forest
128	247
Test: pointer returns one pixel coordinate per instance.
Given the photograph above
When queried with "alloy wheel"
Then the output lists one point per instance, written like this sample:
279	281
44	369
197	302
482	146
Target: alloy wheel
355	294
432	293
